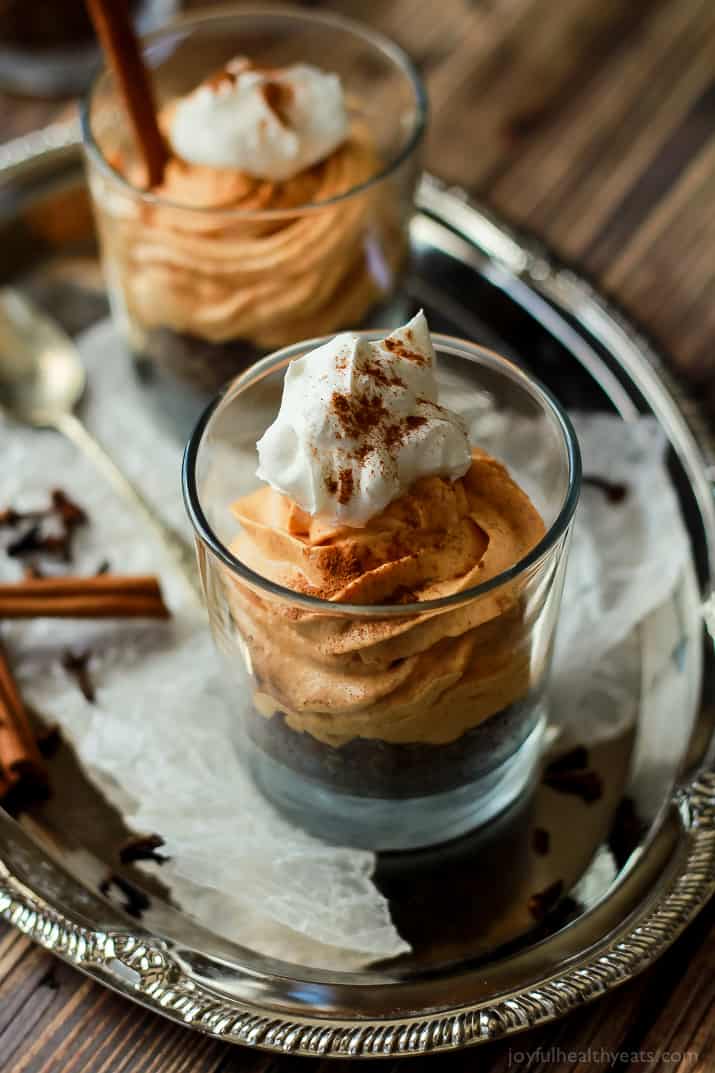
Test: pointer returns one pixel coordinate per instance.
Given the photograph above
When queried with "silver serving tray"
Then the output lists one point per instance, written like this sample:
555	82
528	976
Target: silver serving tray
475	975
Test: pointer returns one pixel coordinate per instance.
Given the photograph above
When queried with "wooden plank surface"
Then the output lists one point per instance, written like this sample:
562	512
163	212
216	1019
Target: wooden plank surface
589	122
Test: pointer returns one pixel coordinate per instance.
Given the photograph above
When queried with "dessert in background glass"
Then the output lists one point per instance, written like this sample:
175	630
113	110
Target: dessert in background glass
290	218
385	592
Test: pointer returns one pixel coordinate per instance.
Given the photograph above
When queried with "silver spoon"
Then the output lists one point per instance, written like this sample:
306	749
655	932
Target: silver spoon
42	379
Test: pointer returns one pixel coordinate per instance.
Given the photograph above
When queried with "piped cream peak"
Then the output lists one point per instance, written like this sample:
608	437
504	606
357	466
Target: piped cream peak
359	423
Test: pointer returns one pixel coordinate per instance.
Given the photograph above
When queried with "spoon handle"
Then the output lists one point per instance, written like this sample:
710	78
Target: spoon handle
176	546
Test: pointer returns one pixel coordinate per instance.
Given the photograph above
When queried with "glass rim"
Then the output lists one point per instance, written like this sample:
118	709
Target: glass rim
463	348
329	19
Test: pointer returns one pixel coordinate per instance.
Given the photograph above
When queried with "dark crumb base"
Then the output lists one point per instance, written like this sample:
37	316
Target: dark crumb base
203	367
180	374
194	362
372	768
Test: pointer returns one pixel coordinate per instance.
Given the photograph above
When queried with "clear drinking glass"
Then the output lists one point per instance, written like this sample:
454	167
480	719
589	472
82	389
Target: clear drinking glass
369	787
199	292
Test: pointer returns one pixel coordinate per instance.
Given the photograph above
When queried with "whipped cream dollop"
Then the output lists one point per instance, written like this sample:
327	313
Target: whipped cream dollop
359	423
270	124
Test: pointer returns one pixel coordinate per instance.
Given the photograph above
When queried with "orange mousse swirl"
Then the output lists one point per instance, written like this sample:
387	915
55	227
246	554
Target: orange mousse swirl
426	677
223	275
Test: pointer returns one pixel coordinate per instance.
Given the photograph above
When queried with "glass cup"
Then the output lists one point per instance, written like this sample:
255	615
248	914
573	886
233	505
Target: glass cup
199	291
343	768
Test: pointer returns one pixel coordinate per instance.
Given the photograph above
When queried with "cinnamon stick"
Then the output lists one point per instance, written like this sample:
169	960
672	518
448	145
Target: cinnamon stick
114	29
101	596
19	755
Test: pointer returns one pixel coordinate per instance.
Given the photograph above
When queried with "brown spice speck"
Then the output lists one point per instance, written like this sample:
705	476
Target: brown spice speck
393	437
358	415
224	76
341	565
381	375
229	74
278	97
346	484
397	347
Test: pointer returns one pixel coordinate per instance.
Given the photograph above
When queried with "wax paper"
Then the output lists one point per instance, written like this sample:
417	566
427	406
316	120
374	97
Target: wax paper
159	739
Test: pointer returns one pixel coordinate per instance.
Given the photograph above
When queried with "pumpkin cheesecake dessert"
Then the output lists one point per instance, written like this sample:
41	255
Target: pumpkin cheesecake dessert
409	669
266	227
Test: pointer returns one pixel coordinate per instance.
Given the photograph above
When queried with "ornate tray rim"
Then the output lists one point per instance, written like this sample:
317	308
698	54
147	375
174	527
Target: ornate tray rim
142	968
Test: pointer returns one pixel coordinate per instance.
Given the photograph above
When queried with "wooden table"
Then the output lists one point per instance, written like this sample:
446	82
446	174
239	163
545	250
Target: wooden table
589	122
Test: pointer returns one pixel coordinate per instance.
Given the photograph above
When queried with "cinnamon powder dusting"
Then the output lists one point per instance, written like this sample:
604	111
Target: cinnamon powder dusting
359	414
224	77
229	74
365	418
396	434
345	485
393	437
278	97
396	346
381	376
341	565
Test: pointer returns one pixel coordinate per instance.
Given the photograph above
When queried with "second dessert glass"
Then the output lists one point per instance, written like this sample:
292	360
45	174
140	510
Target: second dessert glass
352	718
199	290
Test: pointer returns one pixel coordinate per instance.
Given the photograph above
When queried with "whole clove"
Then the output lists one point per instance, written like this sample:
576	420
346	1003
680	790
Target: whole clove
573	759
614	491
586	784
143	848
540	841
63	511
570	773
136	901
542	901
58	546
29	541
77	666
626	831
67	510
9	517
49	741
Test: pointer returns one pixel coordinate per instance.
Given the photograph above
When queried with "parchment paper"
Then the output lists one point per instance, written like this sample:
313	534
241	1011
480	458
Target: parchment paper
158	741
